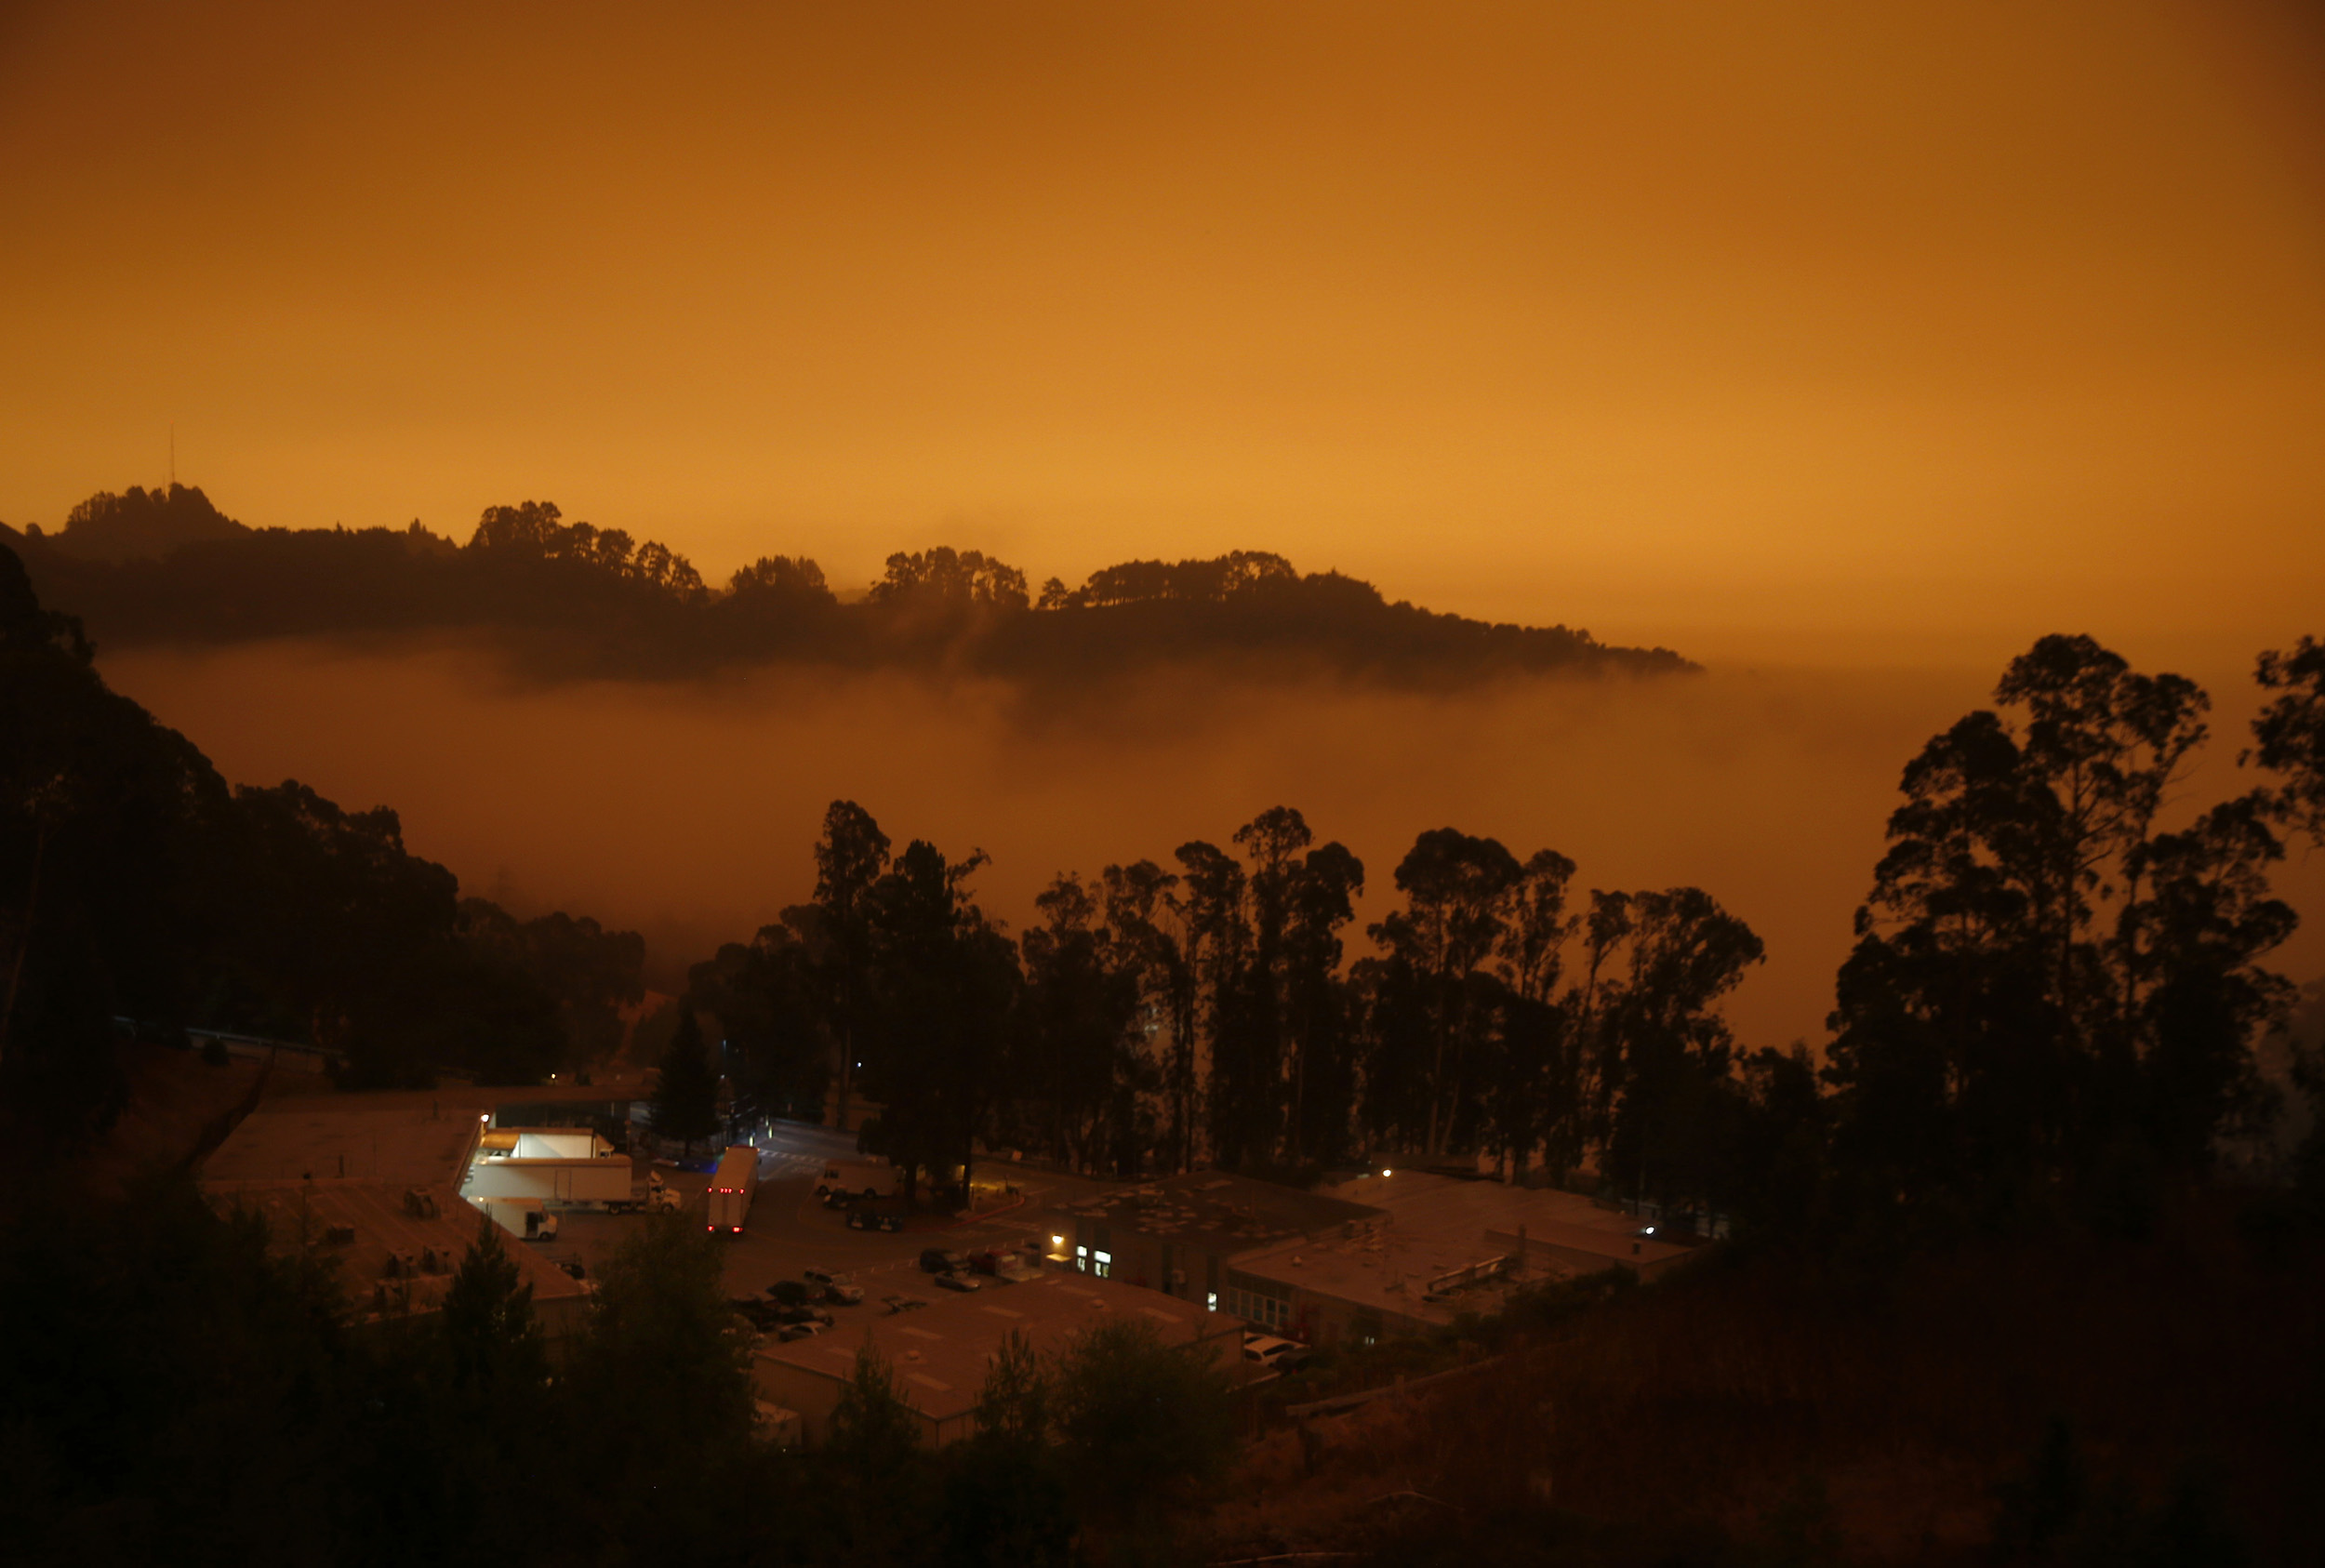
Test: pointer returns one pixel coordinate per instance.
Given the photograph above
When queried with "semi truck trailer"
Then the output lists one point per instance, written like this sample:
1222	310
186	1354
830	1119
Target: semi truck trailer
732	1186
596	1183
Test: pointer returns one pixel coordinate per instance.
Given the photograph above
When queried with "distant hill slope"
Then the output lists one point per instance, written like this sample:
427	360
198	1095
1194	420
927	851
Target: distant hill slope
142	524
573	600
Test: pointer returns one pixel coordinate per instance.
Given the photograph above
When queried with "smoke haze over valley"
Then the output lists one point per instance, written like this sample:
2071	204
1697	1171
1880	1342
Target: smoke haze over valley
688	809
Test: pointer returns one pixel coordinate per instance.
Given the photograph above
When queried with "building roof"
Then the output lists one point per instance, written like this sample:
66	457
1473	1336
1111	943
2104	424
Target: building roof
1422	1202
1215	1212
1443	1228
395	1247
939	1353
371	1180
406	1139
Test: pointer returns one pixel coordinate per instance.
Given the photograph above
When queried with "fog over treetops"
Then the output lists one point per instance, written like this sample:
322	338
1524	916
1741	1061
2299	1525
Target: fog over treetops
688	809
570	718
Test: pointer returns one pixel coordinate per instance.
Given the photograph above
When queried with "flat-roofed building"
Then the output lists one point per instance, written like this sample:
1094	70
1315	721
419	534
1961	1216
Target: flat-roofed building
1445	1247
1183	1234
939	1354
372	1181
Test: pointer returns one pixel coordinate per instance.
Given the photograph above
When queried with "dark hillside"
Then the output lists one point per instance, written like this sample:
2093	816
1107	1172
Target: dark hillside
571	600
146	898
142	524
1777	1410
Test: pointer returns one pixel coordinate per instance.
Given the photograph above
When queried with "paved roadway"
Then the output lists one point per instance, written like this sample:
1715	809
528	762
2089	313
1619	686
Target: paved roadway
789	1230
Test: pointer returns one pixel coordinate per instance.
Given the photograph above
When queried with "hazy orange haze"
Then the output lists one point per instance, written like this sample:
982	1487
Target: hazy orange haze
1740	328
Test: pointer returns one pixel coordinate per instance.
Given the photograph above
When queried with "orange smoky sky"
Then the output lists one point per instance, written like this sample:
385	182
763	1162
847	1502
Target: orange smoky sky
1747	329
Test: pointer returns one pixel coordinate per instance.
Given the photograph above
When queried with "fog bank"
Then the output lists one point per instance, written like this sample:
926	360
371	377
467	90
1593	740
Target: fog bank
688	811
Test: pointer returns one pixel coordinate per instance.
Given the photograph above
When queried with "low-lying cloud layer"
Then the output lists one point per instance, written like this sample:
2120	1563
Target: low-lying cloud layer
688	810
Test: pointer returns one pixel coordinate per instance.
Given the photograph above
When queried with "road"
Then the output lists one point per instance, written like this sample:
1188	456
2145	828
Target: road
789	1230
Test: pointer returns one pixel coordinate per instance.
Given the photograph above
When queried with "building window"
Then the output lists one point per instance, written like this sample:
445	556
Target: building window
1105	1261
1211	1301
1265	1311
1081	1258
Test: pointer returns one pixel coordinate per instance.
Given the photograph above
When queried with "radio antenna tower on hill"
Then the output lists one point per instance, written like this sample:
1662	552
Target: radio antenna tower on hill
173	453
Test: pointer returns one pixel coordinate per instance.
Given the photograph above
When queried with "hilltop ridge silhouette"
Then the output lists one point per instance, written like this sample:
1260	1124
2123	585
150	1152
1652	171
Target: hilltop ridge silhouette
574	599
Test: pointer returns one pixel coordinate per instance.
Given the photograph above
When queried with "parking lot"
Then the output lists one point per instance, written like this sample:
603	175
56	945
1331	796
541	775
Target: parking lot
789	1230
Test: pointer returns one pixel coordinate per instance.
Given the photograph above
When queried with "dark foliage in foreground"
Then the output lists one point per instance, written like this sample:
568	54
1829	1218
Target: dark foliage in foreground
237	1414
572	599
137	891
2068	1398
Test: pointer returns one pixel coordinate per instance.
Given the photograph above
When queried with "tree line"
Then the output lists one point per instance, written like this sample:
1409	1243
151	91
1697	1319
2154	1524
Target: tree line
2053	992
139	894
569	598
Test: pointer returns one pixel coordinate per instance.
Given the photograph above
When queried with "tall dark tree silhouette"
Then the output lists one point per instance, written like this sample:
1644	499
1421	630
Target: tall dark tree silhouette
1675	1050
1080	1060
1149	933
1217	950
495	1341
1455	888
687	1088
2046	990
850	857
2290	734
772	998
1319	898
935	1014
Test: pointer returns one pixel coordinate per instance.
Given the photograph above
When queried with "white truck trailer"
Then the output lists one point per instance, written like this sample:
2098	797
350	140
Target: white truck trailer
522	1216
731	1187
602	1183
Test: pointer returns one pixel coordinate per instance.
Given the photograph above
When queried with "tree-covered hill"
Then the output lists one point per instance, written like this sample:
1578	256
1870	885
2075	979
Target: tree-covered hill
573	599
140	894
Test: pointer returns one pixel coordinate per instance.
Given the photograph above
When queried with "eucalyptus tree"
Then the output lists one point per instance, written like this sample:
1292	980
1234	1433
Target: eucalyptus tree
850	857
1457	889
2046	988
1078	1066
942	991
1150	928
2291	734
772	999
1675	1050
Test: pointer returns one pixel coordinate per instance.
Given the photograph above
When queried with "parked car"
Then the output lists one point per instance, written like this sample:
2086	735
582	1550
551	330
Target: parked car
838	1288
880	1214
957	1282
803	1315
904	1303
763	1314
985	1262
800	1331
1280	1355
942	1260
788	1293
